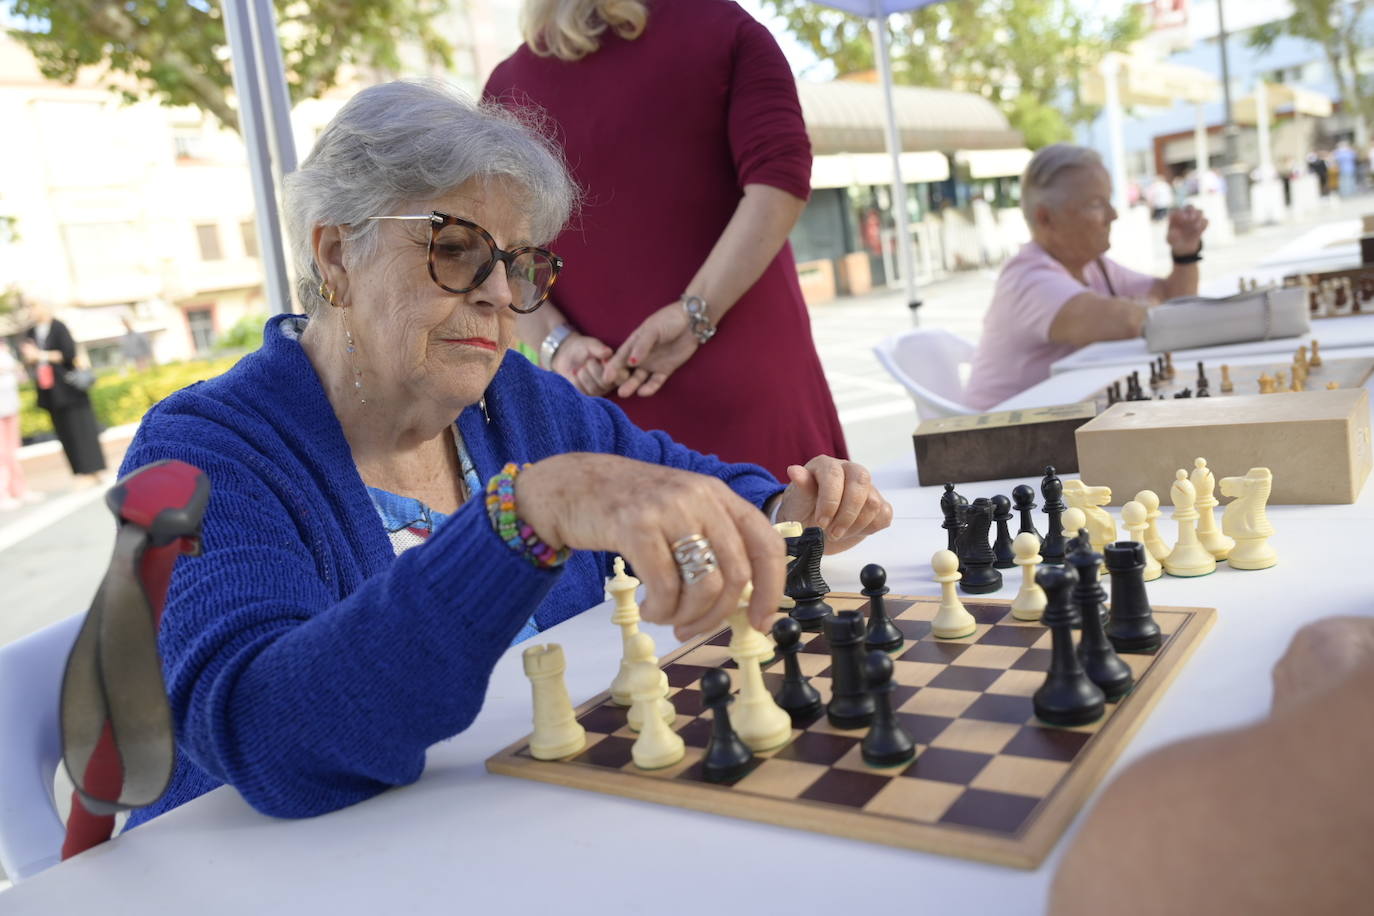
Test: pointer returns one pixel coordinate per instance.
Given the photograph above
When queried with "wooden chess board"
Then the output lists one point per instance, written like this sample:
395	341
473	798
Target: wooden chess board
1337	293
1346	373
989	782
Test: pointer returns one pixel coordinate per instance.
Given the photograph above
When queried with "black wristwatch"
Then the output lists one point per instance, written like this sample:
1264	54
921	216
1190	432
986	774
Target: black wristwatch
1189	258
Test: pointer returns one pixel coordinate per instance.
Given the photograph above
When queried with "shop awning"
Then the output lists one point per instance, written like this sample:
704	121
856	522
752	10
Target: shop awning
847	117
843	170
994	163
1142	81
1287	99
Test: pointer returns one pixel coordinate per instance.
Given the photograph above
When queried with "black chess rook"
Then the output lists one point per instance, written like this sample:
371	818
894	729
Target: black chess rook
851	705
980	576
1131	626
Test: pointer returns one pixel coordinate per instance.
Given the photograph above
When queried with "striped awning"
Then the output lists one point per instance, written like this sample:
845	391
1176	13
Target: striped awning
847	117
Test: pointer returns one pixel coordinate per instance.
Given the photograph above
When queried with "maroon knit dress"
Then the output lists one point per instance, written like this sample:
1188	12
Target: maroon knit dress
662	133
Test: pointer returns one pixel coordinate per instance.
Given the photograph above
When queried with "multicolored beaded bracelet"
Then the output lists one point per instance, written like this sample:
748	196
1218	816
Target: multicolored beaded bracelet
517	534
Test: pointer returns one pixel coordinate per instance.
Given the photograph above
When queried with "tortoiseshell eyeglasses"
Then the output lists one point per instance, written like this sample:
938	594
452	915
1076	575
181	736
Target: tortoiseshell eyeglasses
462	255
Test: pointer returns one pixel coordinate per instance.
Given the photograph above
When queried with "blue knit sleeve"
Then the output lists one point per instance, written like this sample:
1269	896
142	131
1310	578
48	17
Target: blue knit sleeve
296	674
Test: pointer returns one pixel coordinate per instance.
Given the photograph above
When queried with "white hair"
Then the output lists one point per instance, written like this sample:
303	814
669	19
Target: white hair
409	140
1042	182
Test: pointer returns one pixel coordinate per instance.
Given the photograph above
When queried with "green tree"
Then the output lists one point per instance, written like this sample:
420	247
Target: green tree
176	50
1023	55
1340	28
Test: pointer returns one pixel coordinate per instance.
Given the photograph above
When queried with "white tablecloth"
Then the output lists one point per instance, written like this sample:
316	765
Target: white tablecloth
463	840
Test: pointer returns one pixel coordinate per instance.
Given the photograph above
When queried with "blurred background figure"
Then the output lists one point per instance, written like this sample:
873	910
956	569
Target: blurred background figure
1160	196
135	347
680	122
1346	169
50	353
13	489
1316	164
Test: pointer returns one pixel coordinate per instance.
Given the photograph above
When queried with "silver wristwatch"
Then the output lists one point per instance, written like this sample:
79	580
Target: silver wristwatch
698	319
549	348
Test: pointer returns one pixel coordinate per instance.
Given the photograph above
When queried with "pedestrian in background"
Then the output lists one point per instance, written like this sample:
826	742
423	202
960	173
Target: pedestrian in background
680	121
135	347
13	488
49	350
1345	164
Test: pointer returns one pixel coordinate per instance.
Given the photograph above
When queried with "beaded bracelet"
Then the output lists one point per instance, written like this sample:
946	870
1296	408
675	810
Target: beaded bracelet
517	534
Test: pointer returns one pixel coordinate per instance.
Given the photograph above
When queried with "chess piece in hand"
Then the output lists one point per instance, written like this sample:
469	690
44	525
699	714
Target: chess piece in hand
837	496
1322	654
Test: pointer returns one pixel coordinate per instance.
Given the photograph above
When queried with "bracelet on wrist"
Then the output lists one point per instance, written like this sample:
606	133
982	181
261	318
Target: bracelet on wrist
548	348
1188	258
698	318
511	529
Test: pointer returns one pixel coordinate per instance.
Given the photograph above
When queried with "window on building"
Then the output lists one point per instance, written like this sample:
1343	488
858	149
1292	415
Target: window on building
250	238
102	355
200	320
207	234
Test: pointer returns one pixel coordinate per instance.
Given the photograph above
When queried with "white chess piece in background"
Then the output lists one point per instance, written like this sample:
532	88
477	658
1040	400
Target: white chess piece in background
1189	557
1153	542
1246	521
953	620
1133	515
557	733
1204	483
1029	602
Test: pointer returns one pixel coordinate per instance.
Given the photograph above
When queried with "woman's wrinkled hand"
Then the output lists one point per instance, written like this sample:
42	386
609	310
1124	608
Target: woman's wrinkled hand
582	360
639	510
837	496
652	353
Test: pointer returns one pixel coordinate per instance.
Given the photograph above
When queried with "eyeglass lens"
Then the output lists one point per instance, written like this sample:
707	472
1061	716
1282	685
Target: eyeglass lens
461	254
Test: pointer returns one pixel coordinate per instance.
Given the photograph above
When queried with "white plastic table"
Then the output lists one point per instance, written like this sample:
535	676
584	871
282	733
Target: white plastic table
463	840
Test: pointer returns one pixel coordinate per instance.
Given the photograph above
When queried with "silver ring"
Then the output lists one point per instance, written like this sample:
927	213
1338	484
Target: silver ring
694	557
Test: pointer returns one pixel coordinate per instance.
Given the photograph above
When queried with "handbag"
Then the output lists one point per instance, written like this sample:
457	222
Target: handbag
1196	321
80	379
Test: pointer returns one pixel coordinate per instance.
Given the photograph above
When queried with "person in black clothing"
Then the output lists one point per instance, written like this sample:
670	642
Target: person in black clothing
49	351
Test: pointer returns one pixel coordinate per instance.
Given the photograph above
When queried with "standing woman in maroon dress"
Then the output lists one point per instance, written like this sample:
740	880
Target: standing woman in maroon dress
680	121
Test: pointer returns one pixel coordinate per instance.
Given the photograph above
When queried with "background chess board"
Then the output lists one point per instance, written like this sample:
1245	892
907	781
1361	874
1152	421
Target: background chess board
1347	373
989	781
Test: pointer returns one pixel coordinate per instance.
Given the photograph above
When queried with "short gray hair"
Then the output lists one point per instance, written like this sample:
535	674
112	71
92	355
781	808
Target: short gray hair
1046	168
412	139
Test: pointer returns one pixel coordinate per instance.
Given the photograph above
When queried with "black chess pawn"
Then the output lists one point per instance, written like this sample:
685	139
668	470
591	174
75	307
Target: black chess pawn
727	757
882	633
1023	499
1201	375
979	575
1154	377
1001	547
1185	393
796	696
805	585
851	705
1052	545
1067	697
887	744
1131	625
949	508
1079	541
1111	395
1103	666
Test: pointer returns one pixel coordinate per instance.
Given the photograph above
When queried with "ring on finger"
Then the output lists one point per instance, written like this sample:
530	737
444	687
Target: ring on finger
694	557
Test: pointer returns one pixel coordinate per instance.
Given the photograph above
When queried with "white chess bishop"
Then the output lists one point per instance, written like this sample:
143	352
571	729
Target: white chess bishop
1211	537
1189	557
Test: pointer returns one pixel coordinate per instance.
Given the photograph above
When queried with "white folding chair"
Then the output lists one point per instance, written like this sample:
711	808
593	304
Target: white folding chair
926	361
31	832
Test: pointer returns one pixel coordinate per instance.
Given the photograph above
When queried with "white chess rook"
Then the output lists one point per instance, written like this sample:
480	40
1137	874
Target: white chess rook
557	732
1211	537
1189	557
1029	602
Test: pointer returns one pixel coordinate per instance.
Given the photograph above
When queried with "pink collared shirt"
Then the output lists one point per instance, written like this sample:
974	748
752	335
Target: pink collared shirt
1015	351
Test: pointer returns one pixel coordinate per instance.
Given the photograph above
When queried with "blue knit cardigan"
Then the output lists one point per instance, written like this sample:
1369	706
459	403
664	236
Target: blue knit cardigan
308	665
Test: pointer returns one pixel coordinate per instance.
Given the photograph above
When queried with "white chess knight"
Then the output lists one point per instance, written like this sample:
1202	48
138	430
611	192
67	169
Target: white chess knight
1211	537
1154	542
757	718
1133	515
1101	526
1189	557
657	745
1246	521
1029	602
626	616
557	733
953	619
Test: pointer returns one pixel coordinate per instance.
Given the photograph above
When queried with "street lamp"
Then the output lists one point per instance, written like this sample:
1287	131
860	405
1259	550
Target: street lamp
1237	179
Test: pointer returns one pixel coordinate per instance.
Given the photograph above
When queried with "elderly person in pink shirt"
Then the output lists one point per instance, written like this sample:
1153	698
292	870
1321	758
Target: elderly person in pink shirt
1060	292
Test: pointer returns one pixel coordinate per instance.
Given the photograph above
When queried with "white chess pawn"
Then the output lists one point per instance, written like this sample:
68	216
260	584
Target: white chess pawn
757	718
1189	557
745	641
657	745
1073	519
626	616
557	732
1208	534
1029	602
953	620
1133	515
1153	542
640	653
1246	521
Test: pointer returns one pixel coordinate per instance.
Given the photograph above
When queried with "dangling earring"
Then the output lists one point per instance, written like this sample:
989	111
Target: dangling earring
351	349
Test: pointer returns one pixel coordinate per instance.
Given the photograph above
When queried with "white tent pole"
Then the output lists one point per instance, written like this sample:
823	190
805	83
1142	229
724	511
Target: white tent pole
1111	74
900	216
252	123
275	95
1262	114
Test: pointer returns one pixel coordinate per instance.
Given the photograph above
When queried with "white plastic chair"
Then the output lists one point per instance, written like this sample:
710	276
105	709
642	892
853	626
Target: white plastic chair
926	361
31	833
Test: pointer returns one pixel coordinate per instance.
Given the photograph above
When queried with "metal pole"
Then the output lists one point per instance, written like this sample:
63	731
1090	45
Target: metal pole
1111	80
900	217
252	123
276	96
1237	181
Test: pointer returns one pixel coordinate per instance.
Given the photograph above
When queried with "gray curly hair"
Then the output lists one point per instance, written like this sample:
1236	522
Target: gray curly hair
1044	173
416	139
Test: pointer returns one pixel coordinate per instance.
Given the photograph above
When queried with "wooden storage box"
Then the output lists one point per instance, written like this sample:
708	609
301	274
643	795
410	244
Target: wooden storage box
995	446
1316	443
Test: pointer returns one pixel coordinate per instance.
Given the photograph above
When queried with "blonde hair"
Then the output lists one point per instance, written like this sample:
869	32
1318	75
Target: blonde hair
571	29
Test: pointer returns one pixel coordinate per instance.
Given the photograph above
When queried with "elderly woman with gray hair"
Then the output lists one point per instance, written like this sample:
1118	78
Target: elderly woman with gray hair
1060	292
397	496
